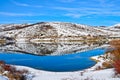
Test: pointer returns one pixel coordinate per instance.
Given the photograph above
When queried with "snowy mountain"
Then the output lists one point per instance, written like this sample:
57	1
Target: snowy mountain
54	31
117	25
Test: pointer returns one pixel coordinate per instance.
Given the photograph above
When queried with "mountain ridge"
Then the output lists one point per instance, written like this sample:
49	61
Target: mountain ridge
54	31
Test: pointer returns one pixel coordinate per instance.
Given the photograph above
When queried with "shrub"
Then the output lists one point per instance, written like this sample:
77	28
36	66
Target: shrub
11	72
116	55
106	65
117	66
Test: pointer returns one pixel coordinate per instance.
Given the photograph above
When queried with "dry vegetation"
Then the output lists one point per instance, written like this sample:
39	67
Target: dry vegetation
2	41
11	72
116	55
111	58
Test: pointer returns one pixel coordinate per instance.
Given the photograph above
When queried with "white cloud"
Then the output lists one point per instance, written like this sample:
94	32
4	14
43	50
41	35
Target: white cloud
108	11
104	8
19	14
66	1
25	4
20	4
74	15
65	8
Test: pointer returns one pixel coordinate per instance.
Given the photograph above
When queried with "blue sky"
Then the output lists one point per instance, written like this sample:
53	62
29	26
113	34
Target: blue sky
90	12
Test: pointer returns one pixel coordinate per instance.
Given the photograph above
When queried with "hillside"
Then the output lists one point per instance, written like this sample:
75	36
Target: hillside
54	31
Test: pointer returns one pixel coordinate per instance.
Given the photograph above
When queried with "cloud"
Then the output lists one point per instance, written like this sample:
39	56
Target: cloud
74	15
65	8
20	4
25	4
86	8
79	9
108	11
19	14
66	1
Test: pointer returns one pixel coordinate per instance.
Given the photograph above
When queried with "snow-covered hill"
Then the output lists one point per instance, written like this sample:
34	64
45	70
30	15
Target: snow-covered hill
54	31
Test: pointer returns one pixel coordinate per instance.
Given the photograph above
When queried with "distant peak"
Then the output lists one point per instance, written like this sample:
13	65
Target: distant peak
117	24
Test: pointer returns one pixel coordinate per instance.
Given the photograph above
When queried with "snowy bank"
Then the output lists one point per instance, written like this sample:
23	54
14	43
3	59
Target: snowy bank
88	74
3	77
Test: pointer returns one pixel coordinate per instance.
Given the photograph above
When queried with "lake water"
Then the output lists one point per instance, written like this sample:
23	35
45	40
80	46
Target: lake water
51	57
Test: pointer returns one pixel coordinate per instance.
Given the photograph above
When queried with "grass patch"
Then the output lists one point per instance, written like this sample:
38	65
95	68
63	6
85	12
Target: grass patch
2	41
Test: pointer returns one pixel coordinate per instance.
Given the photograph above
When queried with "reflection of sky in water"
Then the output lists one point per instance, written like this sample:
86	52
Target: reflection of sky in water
71	62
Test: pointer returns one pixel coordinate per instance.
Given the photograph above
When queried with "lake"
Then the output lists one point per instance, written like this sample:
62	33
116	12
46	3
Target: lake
62	57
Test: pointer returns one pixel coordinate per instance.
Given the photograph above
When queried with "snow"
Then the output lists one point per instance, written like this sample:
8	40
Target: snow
63	29
118	24
3	78
60	29
88	74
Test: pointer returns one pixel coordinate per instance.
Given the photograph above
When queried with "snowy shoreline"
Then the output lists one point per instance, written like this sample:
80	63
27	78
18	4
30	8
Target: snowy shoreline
92	73
87	74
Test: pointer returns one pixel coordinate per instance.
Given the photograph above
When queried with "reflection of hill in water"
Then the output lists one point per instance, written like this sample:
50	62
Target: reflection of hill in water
49	48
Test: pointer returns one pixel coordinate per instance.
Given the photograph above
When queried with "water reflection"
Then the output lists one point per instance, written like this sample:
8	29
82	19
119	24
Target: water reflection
49	48
60	62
